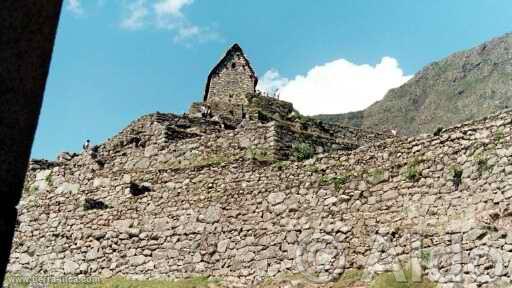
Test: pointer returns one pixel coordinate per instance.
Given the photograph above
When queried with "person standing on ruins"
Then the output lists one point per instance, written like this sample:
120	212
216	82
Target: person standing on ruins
87	145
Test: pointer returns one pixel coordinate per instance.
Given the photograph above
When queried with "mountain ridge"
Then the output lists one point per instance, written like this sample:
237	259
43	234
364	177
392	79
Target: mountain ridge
466	85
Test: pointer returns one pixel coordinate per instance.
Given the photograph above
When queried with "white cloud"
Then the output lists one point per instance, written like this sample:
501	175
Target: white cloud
166	15
137	13
338	86
75	6
272	81
169	15
171	7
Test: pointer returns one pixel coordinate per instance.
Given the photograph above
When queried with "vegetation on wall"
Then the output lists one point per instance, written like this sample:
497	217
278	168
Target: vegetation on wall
302	151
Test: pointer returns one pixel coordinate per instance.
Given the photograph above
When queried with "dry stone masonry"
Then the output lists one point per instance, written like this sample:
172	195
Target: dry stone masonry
229	82
178	196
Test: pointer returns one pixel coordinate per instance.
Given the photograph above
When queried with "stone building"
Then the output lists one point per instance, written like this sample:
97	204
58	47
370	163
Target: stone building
229	83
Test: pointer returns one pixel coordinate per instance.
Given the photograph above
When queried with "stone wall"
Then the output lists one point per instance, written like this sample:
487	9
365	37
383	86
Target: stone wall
272	107
247	220
359	136
287	137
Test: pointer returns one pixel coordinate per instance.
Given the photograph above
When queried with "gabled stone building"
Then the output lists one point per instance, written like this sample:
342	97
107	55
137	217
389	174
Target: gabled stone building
229	83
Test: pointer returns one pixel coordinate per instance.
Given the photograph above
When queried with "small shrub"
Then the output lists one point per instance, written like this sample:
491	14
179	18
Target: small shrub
32	189
255	154
411	171
324	180
312	169
438	131
302	151
482	163
251	153
499	136
456	175
426	257
49	178
376	176
281	165
338	181
213	162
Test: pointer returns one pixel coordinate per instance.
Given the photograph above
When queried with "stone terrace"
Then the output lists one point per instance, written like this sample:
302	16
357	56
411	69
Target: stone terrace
245	219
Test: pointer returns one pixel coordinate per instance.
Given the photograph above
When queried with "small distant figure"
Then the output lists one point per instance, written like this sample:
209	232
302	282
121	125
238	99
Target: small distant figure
394	132
205	111
87	145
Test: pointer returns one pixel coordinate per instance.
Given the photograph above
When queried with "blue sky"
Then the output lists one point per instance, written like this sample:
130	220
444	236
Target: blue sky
116	60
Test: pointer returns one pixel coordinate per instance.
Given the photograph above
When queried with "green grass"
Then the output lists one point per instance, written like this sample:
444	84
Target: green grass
388	280
352	278
198	282
349	279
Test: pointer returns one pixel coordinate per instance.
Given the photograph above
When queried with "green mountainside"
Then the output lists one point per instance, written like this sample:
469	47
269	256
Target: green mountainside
464	86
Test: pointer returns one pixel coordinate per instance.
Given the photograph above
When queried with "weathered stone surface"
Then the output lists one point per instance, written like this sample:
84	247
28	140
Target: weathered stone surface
70	267
137	261
68	188
276	198
213	214
222	246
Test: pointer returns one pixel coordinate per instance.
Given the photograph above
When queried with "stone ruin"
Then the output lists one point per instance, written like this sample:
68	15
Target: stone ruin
176	196
231	96
229	83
